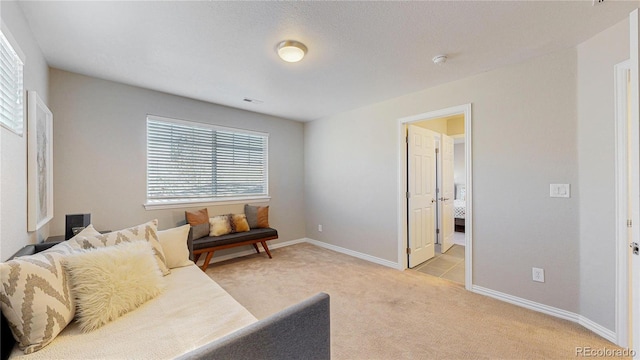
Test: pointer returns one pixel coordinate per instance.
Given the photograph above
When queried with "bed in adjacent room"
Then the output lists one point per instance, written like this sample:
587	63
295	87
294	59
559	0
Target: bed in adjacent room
459	207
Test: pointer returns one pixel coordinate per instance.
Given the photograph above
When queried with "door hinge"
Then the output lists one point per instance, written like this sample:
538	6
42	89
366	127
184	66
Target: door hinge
408	195
437	231
406	139
437	150
629	223
408	251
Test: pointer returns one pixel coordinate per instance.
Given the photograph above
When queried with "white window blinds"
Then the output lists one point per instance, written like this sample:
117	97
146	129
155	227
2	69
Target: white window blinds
193	162
11	88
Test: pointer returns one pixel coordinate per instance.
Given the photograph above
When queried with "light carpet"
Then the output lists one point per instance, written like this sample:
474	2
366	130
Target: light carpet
382	313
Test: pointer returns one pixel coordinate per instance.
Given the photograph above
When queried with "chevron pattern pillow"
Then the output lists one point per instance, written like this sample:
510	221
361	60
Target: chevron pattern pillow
36	297
147	231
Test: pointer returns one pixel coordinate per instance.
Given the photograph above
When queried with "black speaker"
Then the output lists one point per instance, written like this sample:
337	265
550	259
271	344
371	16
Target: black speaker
75	221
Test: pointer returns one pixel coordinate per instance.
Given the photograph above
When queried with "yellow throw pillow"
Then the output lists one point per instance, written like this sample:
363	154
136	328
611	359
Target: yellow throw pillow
219	225
240	223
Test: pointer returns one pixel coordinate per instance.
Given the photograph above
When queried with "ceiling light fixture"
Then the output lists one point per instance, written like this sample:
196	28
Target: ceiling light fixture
439	59
291	50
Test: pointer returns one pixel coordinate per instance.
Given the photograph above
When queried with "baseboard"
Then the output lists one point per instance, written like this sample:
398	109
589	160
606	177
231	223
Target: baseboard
549	310
272	246
356	254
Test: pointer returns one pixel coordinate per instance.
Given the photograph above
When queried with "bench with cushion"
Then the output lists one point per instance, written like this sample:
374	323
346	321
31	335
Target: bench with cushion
209	244
207	235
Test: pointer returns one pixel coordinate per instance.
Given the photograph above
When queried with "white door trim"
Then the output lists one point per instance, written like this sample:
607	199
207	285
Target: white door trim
402	181
622	202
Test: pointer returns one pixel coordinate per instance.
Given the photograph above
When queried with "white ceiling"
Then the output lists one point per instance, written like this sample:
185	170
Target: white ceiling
359	52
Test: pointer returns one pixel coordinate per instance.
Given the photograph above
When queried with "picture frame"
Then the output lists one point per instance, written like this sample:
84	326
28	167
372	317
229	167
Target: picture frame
39	162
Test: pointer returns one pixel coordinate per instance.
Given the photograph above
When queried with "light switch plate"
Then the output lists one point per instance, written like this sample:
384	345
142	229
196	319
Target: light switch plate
560	190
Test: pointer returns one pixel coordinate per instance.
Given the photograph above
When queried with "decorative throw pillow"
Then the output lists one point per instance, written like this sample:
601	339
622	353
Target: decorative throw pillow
147	231
257	216
220	225
111	281
200	230
88	231
36	297
174	246
195	218
239	222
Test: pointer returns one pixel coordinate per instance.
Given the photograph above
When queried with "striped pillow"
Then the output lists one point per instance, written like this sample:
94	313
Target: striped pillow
36	297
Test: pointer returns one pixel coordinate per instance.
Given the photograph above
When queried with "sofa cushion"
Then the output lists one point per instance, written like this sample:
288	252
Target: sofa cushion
111	281
36	297
174	246
146	231
201	230
254	234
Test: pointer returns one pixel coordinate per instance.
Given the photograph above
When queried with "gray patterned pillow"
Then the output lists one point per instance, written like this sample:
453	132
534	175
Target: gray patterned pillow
147	231
36	297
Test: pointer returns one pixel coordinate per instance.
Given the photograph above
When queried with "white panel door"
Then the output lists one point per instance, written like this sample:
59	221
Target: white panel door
447	193
421	178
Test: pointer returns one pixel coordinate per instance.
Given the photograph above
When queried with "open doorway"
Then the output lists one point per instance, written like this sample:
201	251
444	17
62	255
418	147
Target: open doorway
444	138
431	185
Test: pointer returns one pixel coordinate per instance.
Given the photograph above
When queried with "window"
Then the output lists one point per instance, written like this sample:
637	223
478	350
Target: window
191	162
11	88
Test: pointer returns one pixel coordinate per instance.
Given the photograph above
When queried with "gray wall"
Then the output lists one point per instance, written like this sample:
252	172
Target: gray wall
100	154
524	138
596	154
13	151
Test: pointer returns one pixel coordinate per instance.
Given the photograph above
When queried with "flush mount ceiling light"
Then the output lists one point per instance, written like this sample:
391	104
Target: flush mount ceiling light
439	59
291	50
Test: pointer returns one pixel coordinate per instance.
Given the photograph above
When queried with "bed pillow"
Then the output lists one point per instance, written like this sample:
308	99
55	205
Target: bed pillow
239	222
197	219
174	246
219	225
147	232
87	231
111	281
36	297
257	216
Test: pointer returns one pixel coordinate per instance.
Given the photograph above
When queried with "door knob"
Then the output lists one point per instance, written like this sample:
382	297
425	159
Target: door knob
433	200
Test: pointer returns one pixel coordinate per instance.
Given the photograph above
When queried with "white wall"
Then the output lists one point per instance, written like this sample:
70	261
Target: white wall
596	156
459	170
13	194
351	167
100	154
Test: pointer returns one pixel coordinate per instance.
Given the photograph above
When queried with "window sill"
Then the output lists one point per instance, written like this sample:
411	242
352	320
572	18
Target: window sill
190	204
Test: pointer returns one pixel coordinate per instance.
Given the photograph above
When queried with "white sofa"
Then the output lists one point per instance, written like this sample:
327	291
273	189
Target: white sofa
194	318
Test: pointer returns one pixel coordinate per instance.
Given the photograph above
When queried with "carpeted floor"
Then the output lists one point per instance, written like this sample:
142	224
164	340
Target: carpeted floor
382	313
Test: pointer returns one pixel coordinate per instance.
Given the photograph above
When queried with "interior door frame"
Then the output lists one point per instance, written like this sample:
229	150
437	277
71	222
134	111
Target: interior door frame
622	201
402	184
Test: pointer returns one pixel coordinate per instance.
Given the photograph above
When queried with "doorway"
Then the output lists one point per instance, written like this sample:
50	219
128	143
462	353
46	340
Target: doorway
443	200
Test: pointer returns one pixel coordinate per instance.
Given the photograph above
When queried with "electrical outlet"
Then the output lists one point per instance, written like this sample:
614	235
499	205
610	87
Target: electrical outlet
320	228
538	274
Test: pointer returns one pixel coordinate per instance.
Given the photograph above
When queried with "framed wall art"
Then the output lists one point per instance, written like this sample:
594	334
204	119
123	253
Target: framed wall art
39	162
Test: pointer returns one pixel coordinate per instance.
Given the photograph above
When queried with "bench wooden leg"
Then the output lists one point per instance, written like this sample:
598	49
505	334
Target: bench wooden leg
206	260
196	257
264	245
256	247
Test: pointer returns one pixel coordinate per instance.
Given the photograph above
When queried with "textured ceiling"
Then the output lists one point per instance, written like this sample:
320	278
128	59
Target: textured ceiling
359	52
